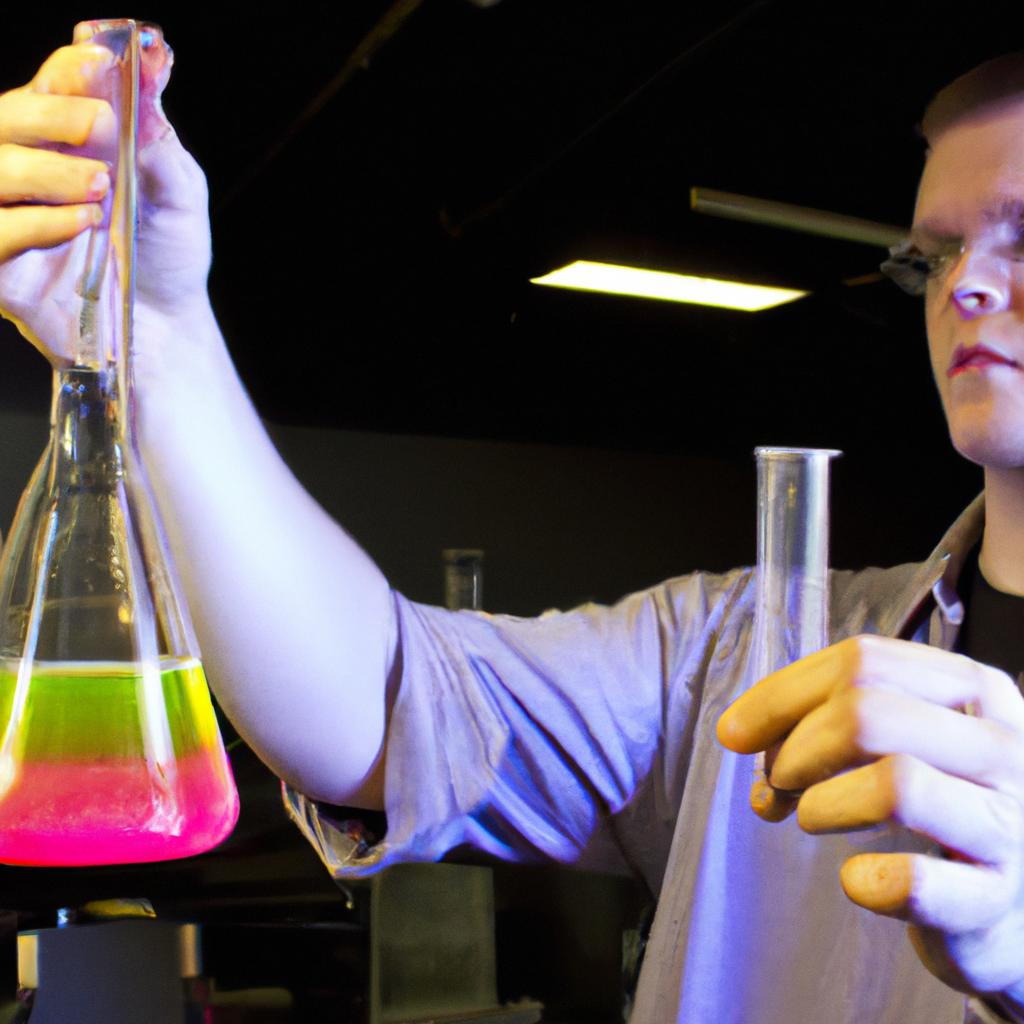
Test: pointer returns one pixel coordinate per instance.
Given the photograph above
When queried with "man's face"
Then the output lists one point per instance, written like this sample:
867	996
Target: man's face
969	220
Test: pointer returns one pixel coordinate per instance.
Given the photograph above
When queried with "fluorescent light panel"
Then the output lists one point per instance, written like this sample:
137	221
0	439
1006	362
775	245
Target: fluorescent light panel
585	275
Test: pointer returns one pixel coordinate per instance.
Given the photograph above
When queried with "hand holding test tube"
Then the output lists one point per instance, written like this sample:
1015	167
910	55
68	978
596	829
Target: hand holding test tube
872	730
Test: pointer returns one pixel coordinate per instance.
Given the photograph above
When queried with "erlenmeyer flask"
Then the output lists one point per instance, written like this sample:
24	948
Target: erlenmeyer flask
109	748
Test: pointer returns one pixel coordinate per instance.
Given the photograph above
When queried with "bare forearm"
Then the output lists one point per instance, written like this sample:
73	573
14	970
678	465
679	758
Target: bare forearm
294	620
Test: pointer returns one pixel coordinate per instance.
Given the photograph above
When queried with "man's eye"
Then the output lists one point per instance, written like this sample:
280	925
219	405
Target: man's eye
912	267
935	263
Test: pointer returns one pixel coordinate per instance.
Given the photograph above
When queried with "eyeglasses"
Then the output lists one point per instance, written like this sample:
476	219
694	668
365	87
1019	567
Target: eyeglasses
911	269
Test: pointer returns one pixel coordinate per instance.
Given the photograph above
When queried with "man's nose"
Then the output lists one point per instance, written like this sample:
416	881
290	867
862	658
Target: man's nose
978	286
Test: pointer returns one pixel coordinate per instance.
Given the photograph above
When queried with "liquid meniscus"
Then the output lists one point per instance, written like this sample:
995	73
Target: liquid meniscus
106	764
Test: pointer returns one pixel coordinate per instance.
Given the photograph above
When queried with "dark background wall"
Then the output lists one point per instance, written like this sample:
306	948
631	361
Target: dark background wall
560	525
375	234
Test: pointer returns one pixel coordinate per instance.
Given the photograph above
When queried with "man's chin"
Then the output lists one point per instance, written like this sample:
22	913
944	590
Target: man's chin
985	417
990	448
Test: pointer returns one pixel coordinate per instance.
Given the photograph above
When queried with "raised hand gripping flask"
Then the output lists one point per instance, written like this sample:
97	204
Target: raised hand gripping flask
109	748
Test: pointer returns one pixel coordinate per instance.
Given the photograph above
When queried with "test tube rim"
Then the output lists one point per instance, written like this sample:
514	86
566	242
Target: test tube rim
796	453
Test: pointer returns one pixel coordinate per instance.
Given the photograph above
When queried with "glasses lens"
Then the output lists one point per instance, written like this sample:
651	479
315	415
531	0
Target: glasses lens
908	268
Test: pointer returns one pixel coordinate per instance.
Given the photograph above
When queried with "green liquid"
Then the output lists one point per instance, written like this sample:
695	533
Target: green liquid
88	710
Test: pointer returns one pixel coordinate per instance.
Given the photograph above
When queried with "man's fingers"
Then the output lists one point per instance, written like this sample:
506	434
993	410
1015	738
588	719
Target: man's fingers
769	803
880	882
981	824
42	176
31	119
62	104
77	70
859	725
42	227
771	708
928	891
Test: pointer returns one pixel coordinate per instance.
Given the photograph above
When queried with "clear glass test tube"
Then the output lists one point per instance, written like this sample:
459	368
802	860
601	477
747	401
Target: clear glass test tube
791	610
791	614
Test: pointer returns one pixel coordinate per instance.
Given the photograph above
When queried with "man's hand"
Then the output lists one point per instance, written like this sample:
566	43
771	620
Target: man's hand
57	136
873	730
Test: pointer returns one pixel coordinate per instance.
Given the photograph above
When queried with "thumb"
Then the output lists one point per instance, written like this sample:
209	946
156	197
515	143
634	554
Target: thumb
169	176
155	65
767	802
155	60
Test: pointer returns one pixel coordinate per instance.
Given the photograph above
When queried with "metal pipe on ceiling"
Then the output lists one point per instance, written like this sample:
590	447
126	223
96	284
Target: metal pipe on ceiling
794	218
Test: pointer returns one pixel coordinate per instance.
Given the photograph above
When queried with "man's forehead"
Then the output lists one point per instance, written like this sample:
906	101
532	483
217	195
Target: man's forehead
974	174
994	133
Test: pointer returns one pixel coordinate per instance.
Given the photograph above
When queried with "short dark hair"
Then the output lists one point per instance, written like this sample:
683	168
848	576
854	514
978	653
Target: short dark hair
989	85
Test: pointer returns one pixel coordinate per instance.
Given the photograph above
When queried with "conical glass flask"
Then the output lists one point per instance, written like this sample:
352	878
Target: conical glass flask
109	748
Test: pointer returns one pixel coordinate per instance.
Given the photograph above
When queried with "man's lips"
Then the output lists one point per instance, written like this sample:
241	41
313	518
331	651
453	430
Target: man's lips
977	357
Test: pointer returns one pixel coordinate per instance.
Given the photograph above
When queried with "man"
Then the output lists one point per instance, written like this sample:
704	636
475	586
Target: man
891	712
588	737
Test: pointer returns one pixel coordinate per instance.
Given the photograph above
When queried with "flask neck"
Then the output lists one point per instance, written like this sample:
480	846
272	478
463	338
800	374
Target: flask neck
88	428
107	284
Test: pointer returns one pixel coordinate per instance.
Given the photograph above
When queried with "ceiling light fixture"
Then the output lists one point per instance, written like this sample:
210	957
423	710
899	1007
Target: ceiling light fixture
611	278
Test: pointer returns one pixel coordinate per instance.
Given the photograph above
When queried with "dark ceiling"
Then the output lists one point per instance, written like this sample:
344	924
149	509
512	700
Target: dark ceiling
372	257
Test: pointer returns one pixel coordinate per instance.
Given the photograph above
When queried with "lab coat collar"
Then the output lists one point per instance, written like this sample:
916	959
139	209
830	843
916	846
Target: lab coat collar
937	579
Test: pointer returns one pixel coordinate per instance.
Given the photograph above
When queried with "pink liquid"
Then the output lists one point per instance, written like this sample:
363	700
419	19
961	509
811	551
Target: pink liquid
84	791
103	813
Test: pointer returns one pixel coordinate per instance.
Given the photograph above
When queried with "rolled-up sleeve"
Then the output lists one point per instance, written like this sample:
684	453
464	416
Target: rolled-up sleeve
521	737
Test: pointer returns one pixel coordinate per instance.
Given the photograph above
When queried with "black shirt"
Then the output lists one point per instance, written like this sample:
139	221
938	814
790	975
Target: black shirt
993	628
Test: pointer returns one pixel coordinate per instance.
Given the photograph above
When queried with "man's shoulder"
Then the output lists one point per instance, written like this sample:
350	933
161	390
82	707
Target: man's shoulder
694	599
692	588
863	600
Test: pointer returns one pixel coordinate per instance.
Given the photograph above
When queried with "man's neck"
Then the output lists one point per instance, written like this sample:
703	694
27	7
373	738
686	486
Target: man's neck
1002	547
